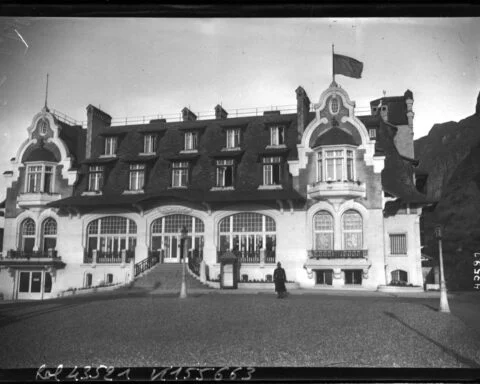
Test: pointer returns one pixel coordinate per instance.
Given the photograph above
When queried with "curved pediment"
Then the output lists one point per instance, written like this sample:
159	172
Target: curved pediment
335	108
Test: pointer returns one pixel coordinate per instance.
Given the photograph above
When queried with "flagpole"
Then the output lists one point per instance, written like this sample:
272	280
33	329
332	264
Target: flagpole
333	60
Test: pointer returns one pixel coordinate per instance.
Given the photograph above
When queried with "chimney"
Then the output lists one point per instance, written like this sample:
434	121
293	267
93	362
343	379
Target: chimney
220	113
408	95
303	107
97	120
188	115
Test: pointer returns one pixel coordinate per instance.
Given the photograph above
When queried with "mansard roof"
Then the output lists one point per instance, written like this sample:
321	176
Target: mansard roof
74	137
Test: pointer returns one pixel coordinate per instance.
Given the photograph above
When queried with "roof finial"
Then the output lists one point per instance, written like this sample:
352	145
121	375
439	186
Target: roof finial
46	96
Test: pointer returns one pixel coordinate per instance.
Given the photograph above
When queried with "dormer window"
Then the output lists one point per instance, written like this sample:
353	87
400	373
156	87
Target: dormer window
233	138
136	177
149	143
225	173
39	178
180	174
110	145
95	178
277	135
335	165
191	141
272	170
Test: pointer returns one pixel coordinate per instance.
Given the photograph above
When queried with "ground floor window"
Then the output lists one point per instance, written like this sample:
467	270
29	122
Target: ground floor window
353	276
324	276
31	282
247	233
399	276
110	236
109	278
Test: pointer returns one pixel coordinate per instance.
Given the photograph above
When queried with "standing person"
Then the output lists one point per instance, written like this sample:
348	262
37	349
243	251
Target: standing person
279	278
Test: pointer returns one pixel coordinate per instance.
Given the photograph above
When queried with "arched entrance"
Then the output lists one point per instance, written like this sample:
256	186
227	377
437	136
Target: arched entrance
165	236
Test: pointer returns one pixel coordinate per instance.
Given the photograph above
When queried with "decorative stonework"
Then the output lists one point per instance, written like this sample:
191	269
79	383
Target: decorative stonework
40	120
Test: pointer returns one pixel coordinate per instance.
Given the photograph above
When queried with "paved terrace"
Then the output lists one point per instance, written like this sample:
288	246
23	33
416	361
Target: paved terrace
142	327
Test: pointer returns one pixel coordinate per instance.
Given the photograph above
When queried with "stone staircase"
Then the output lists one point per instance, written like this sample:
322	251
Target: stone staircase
168	277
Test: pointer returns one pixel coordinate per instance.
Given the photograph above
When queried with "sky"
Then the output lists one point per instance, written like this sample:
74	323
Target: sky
149	66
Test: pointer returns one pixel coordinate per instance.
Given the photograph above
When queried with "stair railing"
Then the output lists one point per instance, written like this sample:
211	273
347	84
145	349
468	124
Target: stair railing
147	263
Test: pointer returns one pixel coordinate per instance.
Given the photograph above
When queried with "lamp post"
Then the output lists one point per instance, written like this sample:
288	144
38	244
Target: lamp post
183	242
443	288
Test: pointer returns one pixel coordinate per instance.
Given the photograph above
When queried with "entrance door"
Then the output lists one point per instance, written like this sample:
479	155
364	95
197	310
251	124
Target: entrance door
172	250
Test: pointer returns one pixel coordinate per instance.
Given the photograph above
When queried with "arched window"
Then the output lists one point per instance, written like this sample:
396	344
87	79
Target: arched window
165	235
399	276
323	230
109	236
352	230
49	234
246	234
27	231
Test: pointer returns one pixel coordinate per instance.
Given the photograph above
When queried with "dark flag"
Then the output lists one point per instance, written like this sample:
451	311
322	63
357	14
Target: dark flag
347	66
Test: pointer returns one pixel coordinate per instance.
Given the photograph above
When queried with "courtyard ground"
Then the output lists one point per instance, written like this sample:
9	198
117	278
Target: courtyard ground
136	328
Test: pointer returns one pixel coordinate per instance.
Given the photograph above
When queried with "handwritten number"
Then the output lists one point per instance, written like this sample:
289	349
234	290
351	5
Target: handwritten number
109	372
98	372
218	375
233	375
176	372
250	370
188	373
476	278
125	373
203	370
73	374
476	263
476	271
476	286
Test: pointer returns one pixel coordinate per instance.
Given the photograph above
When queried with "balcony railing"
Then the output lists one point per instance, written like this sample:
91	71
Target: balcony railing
37	199
270	257
103	257
338	254
15	254
343	188
250	257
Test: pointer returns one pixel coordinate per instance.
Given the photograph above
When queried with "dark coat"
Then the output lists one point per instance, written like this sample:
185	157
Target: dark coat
279	278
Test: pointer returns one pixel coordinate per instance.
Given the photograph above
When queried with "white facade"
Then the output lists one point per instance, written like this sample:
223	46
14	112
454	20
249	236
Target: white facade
340	265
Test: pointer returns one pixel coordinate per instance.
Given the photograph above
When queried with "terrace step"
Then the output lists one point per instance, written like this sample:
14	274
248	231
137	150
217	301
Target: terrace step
167	277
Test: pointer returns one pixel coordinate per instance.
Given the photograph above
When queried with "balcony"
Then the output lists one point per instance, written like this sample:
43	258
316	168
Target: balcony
338	254
112	257
341	259
36	199
345	189
17	258
251	257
